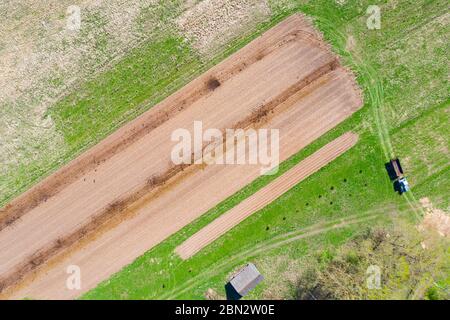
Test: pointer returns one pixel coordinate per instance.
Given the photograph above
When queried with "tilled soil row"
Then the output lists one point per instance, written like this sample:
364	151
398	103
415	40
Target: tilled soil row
306	116
266	195
151	120
37	259
148	160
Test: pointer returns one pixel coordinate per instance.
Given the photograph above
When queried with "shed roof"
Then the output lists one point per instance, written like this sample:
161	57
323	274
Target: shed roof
246	279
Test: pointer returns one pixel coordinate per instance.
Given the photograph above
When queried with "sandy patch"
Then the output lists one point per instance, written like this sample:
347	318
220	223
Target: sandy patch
435	219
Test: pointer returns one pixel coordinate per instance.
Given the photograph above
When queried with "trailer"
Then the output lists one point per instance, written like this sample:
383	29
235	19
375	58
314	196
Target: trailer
397	168
396	174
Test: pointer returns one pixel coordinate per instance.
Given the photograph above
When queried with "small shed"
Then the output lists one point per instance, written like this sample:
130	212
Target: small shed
245	280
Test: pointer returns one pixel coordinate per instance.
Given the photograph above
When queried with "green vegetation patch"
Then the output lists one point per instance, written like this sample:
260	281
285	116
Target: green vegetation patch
378	263
141	80
403	71
334	193
354	186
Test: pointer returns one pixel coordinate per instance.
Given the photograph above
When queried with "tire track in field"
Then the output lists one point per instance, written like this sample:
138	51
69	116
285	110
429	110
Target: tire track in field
202	86
376	95
285	239
267	195
270	244
375	89
37	259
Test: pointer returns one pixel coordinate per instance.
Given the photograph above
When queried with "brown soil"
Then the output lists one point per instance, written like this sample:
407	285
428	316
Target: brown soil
296	86
118	206
266	195
149	121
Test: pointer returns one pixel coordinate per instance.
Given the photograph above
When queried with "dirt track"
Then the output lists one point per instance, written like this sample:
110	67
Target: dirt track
266	195
127	186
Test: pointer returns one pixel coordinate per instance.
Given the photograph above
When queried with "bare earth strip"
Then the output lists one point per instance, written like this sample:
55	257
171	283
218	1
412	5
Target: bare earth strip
125	196
103	176
152	219
266	195
290	31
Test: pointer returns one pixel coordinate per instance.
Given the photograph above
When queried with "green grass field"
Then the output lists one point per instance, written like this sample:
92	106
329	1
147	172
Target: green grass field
403	70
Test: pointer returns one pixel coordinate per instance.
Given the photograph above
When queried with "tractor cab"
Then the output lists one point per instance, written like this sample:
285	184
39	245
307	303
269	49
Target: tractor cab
403	185
396	175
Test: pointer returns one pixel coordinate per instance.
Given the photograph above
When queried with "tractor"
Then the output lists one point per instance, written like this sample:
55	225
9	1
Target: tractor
395	172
